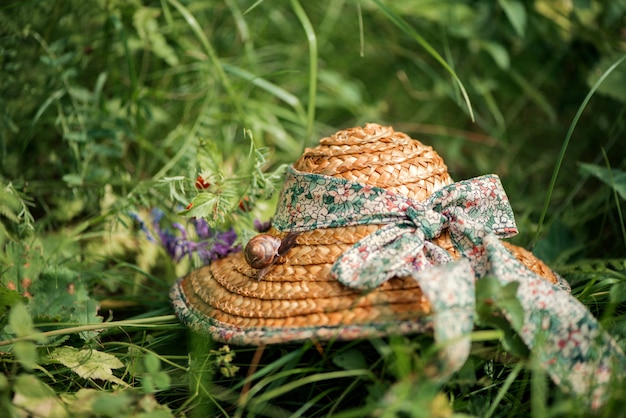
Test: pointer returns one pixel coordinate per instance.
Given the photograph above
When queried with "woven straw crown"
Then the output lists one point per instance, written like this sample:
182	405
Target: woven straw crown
298	291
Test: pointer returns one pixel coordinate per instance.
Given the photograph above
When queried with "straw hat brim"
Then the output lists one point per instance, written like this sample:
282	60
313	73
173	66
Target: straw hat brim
296	301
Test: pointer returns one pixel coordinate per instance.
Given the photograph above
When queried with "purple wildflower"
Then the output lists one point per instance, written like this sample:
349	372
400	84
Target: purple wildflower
142	225
202	228
262	226
210	246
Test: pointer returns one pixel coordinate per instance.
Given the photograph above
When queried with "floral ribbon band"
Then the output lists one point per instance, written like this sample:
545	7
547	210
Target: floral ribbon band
569	342
469	209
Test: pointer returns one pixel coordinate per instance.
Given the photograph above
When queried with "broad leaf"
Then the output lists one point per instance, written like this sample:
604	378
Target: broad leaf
493	302
618	293
21	324
558	244
36	398
516	13
615	178
613	85
89	364
24	264
155	379
61	295
351	359
9	298
118	404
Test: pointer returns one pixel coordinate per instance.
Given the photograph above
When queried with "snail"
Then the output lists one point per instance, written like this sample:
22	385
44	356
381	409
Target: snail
263	251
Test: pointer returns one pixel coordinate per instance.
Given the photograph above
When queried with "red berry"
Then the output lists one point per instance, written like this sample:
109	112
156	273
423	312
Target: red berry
244	204
201	183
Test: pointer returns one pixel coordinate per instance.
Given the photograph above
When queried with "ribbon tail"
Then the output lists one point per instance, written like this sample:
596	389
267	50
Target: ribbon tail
384	254
567	339
450	291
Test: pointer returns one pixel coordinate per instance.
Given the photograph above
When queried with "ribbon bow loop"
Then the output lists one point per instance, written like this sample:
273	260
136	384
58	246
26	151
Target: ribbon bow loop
470	209
393	250
475	208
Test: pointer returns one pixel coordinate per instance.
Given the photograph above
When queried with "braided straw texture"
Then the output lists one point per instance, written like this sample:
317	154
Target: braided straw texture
298	290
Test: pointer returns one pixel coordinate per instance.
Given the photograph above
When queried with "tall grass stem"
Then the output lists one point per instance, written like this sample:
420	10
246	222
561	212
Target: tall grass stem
568	137
312	41
406	28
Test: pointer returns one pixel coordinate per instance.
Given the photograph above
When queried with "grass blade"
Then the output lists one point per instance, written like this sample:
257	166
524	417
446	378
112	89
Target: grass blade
616	197
197	30
568	137
314	378
406	28
504	389
312	41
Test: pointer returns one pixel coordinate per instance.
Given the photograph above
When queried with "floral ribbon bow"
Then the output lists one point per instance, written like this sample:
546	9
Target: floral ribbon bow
574	350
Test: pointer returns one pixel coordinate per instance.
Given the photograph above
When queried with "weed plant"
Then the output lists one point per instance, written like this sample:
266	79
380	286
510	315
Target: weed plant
111	109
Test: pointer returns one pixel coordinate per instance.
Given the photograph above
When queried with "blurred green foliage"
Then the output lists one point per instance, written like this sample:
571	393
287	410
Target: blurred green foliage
106	107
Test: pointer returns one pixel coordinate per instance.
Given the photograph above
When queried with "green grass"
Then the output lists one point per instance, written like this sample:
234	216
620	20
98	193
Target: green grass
109	109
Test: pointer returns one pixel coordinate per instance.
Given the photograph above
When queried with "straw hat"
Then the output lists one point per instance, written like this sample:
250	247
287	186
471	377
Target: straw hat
297	297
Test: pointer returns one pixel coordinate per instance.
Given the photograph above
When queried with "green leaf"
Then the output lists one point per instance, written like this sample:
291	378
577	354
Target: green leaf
147	384
558	244
26	353
152	363
513	308
613	177
161	413
4	383
21	324
498	53
88	315
80	404
8	299
118	404
493	300
613	85
24	265
60	294
509	291
618	293
266	85
568	137
73	179
351	359
147	26
89	364
113	405
15	217
153	382
535	94
487	289
516	13
513	344
227	184
162	380
20	321
36	398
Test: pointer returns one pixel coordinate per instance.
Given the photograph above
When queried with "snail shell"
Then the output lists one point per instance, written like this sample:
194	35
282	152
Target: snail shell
262	251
